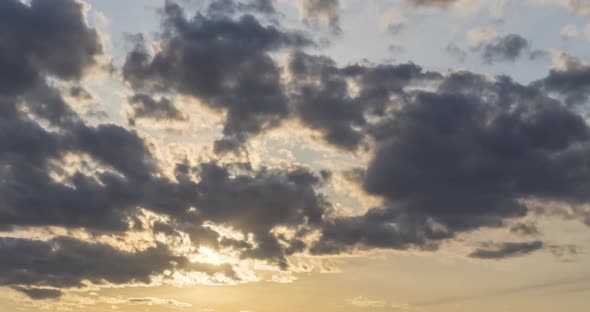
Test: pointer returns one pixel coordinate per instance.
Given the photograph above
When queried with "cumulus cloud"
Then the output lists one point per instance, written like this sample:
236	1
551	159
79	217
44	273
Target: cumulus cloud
29	43
475	173
448	153
324	100
116	173
64	263
235	75
570	80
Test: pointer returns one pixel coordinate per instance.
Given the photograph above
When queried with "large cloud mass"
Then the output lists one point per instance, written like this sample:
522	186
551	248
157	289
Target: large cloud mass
448	153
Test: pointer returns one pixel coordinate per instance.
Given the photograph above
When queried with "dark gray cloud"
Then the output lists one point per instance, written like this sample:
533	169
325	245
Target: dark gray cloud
462	158
258	201
251	201
506	250
222	61
322	98
66	263
39	293
505	49
572	82
45	37
146	107
52	39
29	194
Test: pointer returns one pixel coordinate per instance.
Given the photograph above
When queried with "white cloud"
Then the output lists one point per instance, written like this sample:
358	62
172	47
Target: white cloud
392	20
479	36
364	302
569	31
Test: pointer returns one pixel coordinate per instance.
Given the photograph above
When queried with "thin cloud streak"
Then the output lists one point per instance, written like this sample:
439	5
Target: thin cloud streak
507	292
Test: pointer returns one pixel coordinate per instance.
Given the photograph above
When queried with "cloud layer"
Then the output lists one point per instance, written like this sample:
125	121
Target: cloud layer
448	153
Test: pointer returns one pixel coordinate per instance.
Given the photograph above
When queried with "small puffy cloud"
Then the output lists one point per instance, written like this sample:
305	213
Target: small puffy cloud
321	12
477	37
392	21
505	49
456	52
569	31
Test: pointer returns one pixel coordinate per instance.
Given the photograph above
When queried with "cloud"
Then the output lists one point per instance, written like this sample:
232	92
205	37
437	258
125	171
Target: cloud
44	38
366	303
81	93
477	147
477	37
326	12
392	21
574	6
498	9
569	31
433	3
235	75
508	48
259	202
456	52
448	154
155	301
323	99
564	253
572	80
39	293
224	7
114	174
525	229
506	250
65	263
146	107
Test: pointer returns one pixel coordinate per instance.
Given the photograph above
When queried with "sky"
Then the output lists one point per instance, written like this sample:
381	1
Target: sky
294	155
